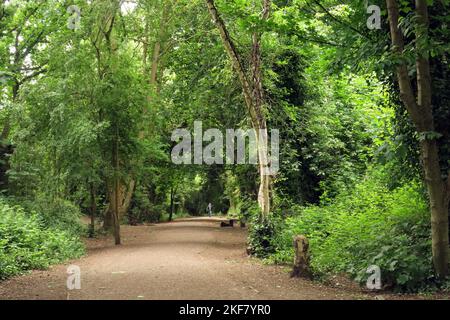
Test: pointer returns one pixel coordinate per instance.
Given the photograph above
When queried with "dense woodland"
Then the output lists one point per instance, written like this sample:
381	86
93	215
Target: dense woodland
91	92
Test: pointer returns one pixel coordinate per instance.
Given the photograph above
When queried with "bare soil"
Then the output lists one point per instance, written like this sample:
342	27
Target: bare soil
188	259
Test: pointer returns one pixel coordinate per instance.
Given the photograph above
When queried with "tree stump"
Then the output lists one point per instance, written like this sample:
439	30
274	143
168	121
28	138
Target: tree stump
301	261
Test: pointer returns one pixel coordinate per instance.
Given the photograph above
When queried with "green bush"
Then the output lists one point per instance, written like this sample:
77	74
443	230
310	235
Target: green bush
151	213
248	209
368	225
261	234
26	243
55	213
142	210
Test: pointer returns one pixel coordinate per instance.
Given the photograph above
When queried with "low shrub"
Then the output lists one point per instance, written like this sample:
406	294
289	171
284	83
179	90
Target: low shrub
368	225
143	210
261	234
55	213
27	243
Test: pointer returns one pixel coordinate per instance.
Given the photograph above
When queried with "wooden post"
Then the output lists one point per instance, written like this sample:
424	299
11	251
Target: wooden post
301	261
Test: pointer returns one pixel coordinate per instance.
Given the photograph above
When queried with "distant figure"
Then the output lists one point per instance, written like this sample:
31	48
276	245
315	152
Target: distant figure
209	208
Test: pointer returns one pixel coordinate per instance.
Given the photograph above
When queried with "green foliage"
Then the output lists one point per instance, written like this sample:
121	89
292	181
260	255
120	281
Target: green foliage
332	124
55	213
26	243
366	225
260	236
69	97
249	209
142	210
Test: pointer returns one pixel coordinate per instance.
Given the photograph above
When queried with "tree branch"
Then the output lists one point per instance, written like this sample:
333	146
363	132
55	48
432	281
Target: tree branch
406	90
423	65
235	60
33	43
31	76
345	24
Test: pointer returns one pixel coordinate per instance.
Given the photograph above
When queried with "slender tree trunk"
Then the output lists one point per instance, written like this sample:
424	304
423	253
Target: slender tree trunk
171	203
7	126
235	60
421	113
93	211
157	48
262	135
438	205
112	46
126	190
154	72
253	96
123	191
116	216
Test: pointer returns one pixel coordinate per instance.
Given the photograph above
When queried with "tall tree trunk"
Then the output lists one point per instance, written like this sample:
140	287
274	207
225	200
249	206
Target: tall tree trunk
106	28
126	190
439	201
155	60
116	216
93	211
7	126
262	135
421	113
171	203
253	96
123	192
264	176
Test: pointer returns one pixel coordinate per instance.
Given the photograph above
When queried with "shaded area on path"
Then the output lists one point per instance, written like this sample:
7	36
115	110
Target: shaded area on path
188	259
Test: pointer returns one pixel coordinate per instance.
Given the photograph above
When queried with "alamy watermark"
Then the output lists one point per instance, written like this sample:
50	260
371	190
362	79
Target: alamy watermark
73	23
374	21
74	279
374	280
236	147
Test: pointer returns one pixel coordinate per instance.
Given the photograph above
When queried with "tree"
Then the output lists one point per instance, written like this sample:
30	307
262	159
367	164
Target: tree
25	29
419	108
253	94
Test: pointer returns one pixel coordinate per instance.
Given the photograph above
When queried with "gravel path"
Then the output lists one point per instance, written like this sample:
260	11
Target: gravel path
179	260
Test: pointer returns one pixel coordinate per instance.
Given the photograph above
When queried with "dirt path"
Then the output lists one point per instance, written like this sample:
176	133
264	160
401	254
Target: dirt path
181	260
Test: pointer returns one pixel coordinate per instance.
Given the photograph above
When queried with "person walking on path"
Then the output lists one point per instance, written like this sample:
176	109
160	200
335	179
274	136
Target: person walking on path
209	208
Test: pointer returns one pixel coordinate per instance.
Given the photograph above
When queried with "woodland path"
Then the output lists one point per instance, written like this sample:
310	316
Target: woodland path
188	259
